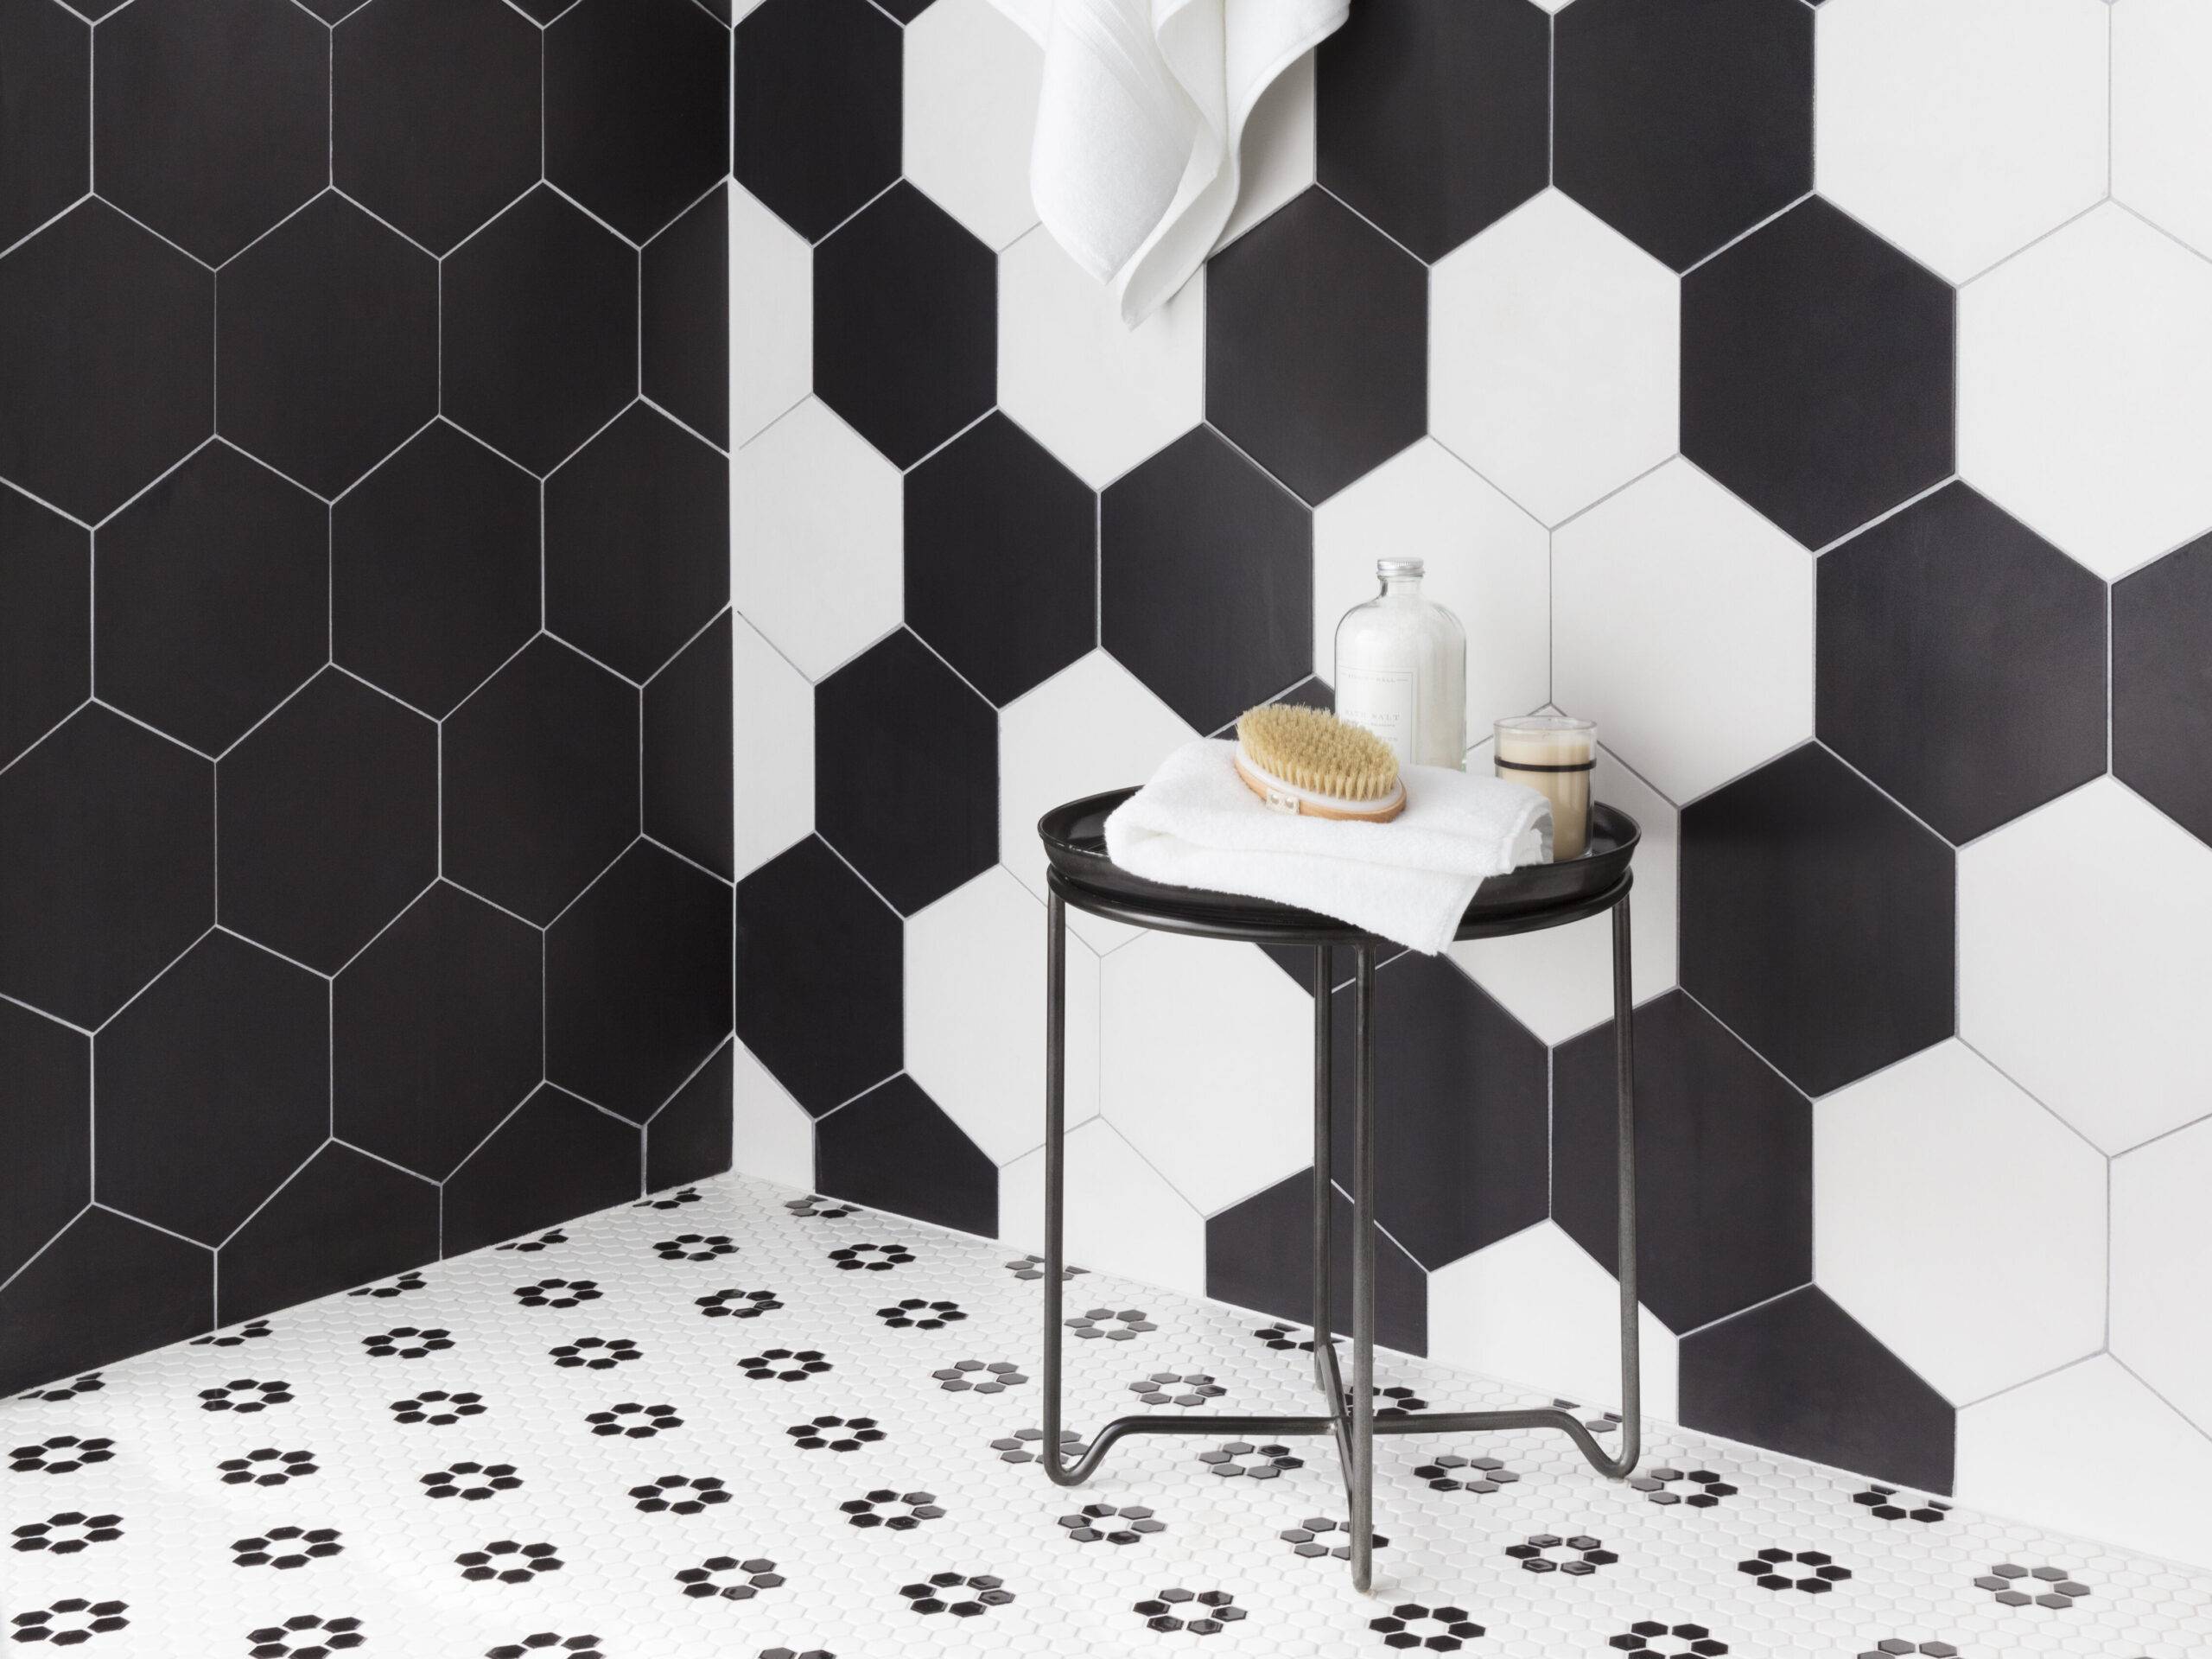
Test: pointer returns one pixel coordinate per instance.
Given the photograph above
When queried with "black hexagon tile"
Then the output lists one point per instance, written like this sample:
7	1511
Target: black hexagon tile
433	568
557	1156
213	1087
329	821
46	621
105	1287
688	753
637	542
107	349
895	1149
905	324
328	345
540	780
637	108
817	99
48	1178
107	864
211	119
1259	1254
1683	123
1206	580
1817	920
684	295
1817	372
344	1219
1317	345
540	324
638	981
1434	115
1962	662
900	741
213	598
820	977
995	524
2161	686
1724	1153
434	109
436	1031
45	143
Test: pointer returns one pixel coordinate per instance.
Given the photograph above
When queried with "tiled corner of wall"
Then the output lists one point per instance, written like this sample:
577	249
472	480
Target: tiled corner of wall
1813	396
366	867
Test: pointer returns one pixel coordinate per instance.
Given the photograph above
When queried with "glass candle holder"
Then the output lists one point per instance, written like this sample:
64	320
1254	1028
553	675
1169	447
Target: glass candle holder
1554	755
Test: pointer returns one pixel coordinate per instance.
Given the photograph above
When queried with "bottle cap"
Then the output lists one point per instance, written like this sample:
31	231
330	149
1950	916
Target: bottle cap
1388	569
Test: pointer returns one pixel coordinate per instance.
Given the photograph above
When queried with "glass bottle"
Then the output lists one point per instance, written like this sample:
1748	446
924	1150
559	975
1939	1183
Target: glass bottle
1401	669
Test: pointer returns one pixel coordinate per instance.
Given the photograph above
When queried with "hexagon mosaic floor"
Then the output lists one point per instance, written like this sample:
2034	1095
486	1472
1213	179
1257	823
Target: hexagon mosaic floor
734	1421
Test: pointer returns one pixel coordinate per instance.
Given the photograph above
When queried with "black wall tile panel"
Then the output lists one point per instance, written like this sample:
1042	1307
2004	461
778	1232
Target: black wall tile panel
107	351
821	976
435	113
905	324
1962	662
637	109
213	1087
996	527
46	1082
689	1138
637	983
1317	345
1817	372
46	621
683	348
434	569
1260	1255
1802	1376
687	755
327	821
217	605
437	1031
2162	683
818	109
211	117
214	598
46	66
637	542
541	330
1683	123
1206	580
894	1148
107	864
1460	1159
1724	1155
328	345
540	780
899	741
344	1220
556	1157
1434	115
1817	920
107	1287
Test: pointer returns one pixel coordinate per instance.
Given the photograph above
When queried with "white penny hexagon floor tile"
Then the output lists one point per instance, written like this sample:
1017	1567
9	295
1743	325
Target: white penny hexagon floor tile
756	1451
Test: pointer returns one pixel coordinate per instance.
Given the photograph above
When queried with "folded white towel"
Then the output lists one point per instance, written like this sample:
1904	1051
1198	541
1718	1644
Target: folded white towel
1197	825
1133	166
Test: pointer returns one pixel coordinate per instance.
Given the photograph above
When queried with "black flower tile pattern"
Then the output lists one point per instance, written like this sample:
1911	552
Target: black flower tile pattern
1699	1488
1097	1523
1021	1446
69	1533
783	1364
507	1561
1233	1458
979	1376
896	1511
1648	1638
69	1622
286	1547
268	1467
695	1247
305	1636
1814	1571
1202	1612
1887	1503
246	1394
1174	1389
1437	1630
633	1421
470	1481
834	1434
2044	1586
595	1353
91	1382
405	1284
557	1292
61	1454
1311	1538
1547	1552
913	1313
731	1579
408	1342
737	1304
438	1408
963	1598
1452	1472
562	1647
679	1495
1105	1322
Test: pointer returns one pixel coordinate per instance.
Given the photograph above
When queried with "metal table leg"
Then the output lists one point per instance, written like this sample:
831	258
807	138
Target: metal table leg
1349	1419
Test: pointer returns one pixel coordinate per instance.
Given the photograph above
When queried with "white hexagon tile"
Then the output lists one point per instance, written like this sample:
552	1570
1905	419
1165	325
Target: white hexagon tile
771	315
1555	349
1276	158
2161	76
1962	131
1488	562
1682	624
734	1420
2161	1261
775	750
970	103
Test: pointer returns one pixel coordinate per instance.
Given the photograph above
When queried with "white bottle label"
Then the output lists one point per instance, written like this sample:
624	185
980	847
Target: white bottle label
1384	701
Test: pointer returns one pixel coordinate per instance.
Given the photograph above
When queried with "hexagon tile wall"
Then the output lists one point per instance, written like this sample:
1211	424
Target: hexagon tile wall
1815	395
366	869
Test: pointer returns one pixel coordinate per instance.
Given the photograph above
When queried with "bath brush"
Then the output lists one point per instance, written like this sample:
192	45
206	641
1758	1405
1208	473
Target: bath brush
1306	762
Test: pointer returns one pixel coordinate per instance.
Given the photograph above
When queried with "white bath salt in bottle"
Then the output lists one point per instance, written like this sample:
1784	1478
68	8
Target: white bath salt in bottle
1401	669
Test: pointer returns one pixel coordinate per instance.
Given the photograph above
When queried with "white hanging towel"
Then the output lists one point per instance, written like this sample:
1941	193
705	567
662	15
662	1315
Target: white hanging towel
1134	168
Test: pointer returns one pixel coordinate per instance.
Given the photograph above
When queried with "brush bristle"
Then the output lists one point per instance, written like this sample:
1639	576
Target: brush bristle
1316	751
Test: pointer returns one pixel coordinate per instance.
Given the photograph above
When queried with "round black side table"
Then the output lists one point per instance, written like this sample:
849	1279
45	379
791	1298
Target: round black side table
1524	901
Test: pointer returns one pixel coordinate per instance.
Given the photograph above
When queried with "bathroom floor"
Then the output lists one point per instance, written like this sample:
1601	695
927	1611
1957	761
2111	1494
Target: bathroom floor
731	1421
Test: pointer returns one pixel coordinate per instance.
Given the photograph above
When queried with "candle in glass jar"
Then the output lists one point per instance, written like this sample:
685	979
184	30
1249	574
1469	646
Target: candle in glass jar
1553	755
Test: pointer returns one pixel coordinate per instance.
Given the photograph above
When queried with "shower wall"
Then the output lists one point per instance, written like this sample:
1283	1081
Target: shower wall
364	848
